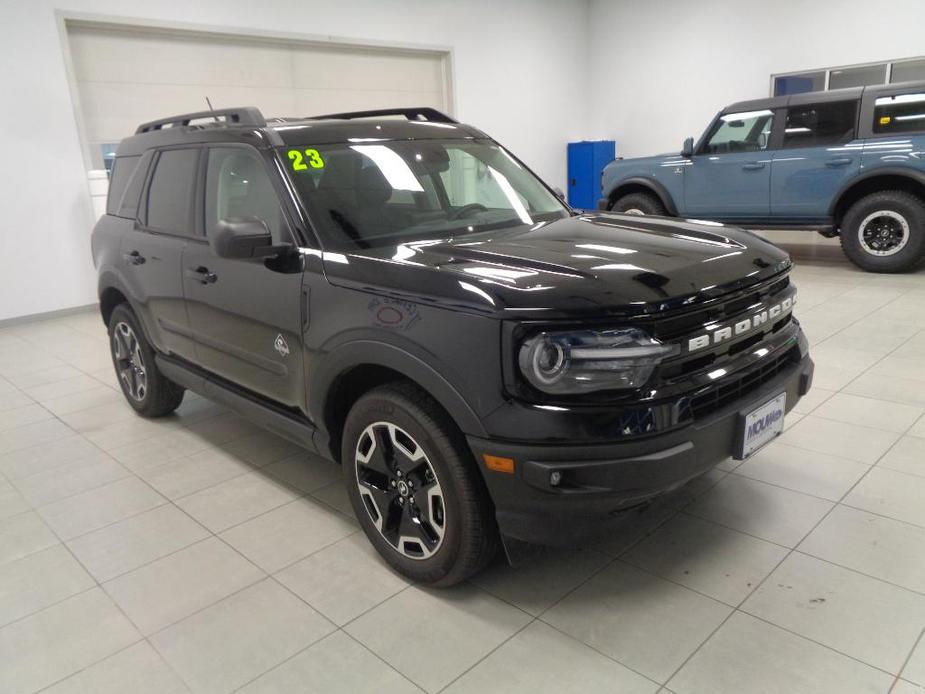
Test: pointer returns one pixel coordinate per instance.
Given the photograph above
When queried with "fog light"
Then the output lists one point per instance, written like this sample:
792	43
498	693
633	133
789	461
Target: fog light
555	478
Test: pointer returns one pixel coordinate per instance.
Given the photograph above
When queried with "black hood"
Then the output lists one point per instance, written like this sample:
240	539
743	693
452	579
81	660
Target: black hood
591	264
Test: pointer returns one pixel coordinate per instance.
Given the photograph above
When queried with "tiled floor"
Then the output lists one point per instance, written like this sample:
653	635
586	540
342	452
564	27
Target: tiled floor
198	553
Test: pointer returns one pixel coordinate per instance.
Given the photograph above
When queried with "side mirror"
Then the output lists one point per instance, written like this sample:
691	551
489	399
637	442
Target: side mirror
687	149
246	237
559	193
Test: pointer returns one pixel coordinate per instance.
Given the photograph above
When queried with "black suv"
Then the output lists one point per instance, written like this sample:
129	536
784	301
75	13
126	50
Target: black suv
397	292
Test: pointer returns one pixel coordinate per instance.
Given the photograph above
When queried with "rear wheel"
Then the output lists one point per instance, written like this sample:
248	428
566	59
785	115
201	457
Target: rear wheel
885	232
414	488
638	203
145	388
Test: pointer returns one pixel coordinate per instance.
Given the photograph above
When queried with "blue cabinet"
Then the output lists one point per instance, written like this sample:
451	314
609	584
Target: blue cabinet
586	162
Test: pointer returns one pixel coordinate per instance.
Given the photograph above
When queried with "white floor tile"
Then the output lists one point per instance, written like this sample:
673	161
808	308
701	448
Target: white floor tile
461	626
867	619
236	640
541	660
22	535
907	455
235	501
861	444
280	537
646	623
915	668
128	544
344	580
725	564
54	643
38	580
748	656
763	510
337	663
891	493
869	412
874	545
169	589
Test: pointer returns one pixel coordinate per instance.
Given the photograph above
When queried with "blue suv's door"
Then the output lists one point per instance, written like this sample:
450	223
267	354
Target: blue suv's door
818	154
729	176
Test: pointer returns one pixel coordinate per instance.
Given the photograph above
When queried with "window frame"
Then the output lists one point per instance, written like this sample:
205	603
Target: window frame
144	203
815	104
827	71
277	188
868	104
712	128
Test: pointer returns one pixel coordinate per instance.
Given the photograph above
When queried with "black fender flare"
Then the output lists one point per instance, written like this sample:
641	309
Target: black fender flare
373	352
663	195
901	171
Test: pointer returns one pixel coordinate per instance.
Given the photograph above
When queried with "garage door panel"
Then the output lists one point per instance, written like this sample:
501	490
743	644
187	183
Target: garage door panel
129	75
108	56
112	111
318	101
358	69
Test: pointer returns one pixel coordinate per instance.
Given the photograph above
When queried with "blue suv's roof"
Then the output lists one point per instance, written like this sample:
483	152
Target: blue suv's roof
818	97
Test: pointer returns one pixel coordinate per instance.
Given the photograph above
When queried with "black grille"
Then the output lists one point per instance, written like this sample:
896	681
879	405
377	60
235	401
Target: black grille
741	386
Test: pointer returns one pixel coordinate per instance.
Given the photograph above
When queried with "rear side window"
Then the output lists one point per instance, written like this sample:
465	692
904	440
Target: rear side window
170	195
902	113
122	170
818	125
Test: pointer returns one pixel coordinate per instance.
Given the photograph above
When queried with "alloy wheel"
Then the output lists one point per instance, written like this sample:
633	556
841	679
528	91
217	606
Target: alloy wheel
883	233
400	490
130	363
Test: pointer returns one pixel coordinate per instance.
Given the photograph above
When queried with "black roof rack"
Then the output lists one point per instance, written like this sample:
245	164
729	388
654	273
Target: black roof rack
424	113
245	115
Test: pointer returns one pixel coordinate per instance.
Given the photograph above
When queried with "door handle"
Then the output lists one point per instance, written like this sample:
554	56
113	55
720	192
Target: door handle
840	161
202	275
753	166
134	258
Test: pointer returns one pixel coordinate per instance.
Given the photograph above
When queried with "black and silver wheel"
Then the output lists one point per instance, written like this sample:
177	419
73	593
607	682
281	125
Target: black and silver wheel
400	490
414	487
145	388
129	361
885	232
638	204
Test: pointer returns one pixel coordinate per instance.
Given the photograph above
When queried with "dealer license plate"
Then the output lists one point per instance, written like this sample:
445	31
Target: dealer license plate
760	426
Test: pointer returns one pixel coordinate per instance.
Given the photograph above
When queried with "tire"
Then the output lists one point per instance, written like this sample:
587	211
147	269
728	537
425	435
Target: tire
885	232
398	435
145	388
639	203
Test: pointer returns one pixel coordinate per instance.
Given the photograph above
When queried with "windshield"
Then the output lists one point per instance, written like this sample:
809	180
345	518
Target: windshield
368	194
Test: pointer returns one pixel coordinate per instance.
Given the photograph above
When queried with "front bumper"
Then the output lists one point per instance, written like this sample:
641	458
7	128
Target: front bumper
599	482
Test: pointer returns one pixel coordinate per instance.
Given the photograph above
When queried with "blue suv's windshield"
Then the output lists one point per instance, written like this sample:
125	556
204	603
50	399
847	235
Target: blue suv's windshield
371	193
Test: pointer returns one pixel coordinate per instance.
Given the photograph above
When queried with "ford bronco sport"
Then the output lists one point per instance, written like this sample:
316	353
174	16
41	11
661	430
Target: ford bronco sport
397	292
846	162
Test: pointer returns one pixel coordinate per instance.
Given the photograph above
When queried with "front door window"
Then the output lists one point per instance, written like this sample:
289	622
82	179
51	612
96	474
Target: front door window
748	131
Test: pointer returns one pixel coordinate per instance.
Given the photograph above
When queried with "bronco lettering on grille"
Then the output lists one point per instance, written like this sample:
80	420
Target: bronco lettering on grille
737	328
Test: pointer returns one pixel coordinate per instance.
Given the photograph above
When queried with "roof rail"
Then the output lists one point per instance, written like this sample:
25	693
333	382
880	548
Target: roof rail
244	115
423	113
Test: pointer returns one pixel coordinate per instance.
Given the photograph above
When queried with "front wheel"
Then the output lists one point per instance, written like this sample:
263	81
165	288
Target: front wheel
885	232
638	203
414	487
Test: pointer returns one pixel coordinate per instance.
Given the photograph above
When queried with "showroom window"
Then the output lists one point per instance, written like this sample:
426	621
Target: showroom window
818	125
902	113
170	194
740	132
824	79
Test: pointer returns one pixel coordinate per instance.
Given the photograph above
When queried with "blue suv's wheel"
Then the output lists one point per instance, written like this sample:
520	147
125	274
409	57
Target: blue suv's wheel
885	232
638	203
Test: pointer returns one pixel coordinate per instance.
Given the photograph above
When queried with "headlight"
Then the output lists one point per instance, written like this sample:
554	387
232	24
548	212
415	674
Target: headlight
588	360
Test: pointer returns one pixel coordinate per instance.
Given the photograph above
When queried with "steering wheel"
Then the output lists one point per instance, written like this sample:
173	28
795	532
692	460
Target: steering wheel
466	209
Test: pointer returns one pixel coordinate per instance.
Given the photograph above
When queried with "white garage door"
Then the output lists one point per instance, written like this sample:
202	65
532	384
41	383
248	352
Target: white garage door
128	75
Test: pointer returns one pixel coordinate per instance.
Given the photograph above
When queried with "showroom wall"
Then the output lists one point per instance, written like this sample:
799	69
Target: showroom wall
519	73
660	70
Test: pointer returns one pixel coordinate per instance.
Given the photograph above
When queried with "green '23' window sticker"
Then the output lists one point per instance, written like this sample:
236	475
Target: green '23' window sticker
303	159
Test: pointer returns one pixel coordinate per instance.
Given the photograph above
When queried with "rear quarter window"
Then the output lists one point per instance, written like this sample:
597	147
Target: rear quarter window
171	191
123	169
818	125
901	113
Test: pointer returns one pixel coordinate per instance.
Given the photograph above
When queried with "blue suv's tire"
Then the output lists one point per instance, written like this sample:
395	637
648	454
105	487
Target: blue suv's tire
885	232
638	203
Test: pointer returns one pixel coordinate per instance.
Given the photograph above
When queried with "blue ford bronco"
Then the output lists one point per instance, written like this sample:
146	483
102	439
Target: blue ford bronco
845	162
